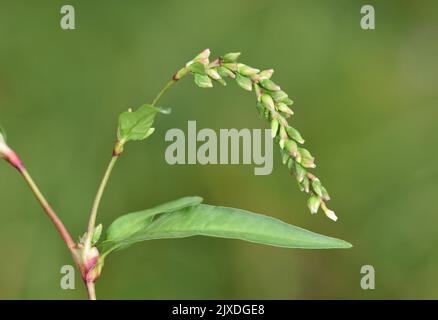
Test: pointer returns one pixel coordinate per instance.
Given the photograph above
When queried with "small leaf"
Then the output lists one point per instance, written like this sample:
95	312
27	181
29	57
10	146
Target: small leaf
203	81
244	82
215	221
95	238
196	67
96	234
136	125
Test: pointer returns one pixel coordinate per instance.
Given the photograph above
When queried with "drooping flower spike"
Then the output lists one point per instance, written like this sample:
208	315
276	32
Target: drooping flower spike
273	104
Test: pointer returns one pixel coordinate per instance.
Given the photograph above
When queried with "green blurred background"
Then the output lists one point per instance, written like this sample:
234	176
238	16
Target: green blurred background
365	100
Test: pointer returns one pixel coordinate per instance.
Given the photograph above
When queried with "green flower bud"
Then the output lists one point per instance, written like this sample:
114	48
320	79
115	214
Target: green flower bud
212	73
203	56
313	203
287	101
203	81
245	70
290	163
316	186
307	160
325	194
230	57
231	66
291	147
221	81
279	96
180	73
305	184
258	91
300	186
297	156
214	64
268	102
282	120
260	109
281	106
267	114
285	157
299	172
274	127
294	134
266	74
224	72
329	213
283	134
244	82
269	84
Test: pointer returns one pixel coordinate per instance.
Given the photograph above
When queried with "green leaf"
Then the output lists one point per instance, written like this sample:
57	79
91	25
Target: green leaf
197	67
127	225
136	125
203	81
96	234
206	220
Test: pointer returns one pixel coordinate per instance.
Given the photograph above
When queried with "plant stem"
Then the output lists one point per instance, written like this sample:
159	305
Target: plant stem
93	214
97	199
94	209
49	211
163	90
91	290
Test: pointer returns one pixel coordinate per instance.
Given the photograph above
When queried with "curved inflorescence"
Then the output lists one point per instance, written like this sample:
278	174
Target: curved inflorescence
273	104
